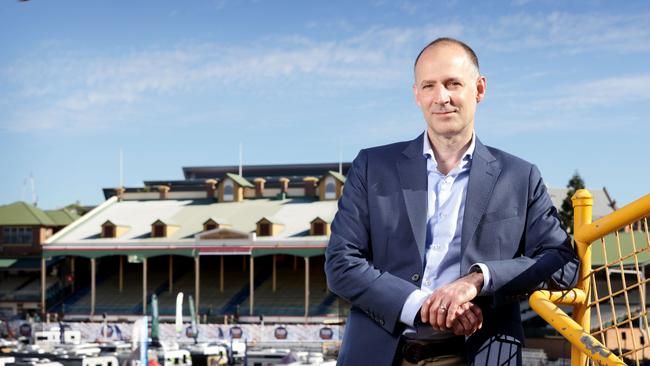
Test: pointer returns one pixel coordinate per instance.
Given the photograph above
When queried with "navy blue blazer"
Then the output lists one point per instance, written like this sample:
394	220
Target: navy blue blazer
374	256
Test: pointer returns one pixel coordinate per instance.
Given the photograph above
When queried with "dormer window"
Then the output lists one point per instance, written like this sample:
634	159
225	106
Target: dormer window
161	229
319	227
265	229
228	190
330	188
158	231
108	231
214	223
231	188
112	230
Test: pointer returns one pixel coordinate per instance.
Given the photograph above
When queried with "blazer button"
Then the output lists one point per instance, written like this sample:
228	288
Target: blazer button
415	277
381	322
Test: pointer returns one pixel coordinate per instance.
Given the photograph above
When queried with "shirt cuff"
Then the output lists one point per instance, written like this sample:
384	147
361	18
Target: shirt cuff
486	276
412	306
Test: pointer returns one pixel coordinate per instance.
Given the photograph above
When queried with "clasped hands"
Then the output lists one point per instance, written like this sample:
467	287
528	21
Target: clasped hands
449	307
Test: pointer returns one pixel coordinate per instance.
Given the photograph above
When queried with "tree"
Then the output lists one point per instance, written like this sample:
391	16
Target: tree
566	211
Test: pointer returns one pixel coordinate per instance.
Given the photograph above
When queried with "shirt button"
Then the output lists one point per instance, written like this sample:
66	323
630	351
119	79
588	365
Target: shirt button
415	277
427	283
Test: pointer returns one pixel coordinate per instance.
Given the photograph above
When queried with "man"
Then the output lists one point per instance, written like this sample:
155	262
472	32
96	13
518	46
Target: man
437	239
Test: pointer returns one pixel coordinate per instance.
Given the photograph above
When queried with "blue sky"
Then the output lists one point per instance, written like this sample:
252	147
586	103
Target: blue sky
183	83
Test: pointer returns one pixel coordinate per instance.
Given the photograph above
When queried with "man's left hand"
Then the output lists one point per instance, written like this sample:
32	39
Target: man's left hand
441	308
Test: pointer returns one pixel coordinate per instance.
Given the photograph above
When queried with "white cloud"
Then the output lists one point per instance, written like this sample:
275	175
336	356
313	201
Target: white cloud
568	33
605	92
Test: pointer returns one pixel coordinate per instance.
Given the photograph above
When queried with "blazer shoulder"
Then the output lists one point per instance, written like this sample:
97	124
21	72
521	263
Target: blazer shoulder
394	151
509	160
394	148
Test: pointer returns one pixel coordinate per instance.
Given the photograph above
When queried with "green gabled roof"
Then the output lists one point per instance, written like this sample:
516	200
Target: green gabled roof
340	177
62	217
21	213
240	180
628	246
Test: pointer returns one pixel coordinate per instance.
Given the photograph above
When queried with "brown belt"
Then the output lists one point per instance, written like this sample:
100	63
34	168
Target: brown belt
414	350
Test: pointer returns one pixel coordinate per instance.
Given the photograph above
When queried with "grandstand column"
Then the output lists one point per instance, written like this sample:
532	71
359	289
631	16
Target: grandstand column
197	280
43	270
171	274
72	272
93	289
306	286
251	294
144	286
121	275
221	274
274	274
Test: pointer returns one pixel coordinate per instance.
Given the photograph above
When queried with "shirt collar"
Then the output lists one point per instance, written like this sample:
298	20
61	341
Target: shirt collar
427	150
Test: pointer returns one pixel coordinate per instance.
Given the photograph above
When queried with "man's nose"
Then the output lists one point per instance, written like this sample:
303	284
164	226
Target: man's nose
440	95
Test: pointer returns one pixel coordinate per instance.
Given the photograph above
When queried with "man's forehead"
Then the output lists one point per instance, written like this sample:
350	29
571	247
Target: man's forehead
448	57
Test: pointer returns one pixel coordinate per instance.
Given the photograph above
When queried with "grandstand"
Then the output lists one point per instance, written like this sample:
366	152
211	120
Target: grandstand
215	231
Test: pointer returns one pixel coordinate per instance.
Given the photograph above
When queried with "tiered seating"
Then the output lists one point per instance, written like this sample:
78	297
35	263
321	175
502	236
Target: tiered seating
235	281
288	299
10	284
110	300
32	290
167	301
321	300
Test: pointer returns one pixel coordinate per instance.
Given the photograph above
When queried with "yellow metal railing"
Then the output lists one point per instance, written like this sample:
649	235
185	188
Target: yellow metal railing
613	287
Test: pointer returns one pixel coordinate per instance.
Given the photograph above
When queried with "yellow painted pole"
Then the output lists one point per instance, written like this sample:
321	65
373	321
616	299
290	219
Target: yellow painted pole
615	220
582	208
582	342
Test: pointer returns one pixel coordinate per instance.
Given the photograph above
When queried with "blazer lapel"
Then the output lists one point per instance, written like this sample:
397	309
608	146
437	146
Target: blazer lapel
413	181
482	177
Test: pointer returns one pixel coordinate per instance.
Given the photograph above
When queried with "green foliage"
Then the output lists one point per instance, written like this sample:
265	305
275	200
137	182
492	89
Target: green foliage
566	211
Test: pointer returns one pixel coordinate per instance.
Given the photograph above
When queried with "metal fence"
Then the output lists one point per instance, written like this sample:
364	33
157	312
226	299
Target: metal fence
609	324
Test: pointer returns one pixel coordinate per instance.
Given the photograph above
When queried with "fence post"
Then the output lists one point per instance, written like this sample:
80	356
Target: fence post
582	210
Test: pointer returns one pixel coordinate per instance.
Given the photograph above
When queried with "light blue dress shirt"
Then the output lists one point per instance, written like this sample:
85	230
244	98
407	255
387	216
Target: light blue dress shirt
445	207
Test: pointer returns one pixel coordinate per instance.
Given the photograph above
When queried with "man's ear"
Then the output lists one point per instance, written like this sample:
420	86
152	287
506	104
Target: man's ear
481	88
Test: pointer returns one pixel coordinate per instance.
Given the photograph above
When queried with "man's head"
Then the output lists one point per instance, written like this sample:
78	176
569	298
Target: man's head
447	87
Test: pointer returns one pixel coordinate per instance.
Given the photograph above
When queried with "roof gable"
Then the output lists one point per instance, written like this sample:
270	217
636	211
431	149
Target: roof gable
21	213
243	182
62	217
340	177
223	233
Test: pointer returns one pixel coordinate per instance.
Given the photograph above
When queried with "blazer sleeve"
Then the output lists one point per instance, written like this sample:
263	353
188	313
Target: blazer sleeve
548	259
348	257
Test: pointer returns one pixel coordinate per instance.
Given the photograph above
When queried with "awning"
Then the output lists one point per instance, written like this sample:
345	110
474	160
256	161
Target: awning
5	263
299	252
27	264
139	252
